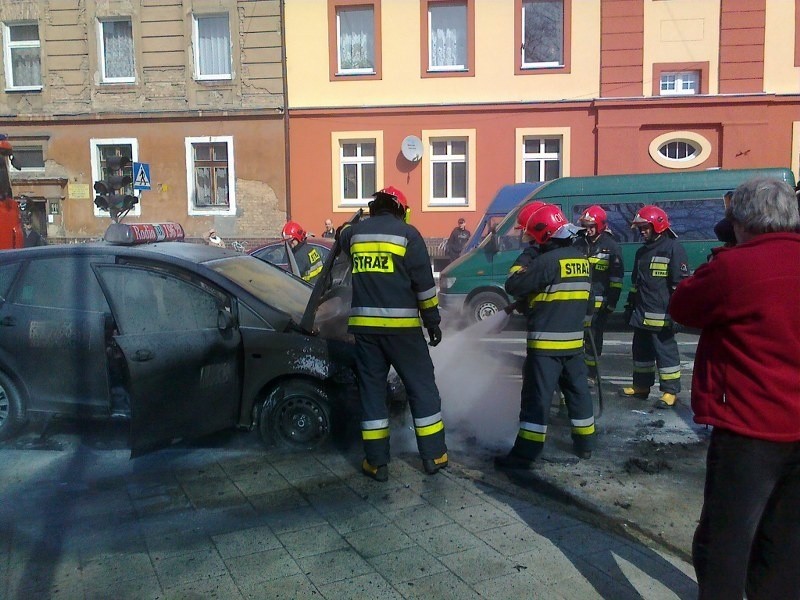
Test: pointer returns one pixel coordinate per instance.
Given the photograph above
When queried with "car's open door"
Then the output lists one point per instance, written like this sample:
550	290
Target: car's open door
181	348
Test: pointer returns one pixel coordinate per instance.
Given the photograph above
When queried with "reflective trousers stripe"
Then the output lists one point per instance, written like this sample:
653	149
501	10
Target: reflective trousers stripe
429	429
384	322
374	434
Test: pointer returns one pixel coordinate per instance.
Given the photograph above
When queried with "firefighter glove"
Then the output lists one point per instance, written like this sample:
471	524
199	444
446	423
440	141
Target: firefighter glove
434	335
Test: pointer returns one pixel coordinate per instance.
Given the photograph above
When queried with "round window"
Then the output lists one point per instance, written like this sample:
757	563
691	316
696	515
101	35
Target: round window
680	149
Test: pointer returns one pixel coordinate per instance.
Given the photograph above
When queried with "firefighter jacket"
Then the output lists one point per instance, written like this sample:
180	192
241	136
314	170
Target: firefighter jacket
658	267
557	285
393	285
309	261
605	259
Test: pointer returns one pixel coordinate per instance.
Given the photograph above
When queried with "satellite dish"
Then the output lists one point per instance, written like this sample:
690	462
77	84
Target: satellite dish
412	148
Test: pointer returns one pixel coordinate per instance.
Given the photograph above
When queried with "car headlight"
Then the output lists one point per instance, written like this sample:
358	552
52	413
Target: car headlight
445	283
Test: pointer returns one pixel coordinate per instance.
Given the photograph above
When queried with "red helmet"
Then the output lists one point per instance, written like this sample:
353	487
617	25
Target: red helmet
293	231
526	212
396	195
594	215
547	222
653	215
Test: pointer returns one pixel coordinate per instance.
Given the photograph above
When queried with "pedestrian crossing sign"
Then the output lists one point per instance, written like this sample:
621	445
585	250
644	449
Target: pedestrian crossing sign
141	176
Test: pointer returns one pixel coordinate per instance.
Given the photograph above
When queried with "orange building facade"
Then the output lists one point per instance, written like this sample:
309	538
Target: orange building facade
451	99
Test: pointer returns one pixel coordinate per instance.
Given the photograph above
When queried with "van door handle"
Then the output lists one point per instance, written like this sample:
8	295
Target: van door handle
8	322
142	355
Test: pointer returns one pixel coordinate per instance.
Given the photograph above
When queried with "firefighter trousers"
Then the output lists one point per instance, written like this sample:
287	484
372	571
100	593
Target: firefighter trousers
541	376
597	329
656	348
408	354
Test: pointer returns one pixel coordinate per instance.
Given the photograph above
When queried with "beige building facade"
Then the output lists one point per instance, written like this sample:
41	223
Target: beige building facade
193	88
492	92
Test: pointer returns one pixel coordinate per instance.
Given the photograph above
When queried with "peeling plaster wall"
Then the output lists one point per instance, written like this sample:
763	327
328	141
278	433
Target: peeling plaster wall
164	105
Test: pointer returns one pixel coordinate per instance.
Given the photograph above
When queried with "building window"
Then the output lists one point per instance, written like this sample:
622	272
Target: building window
28	158
22	56
116	51
355	32
210	177
101	150
212	44
448	37
448	160
357	160
680	83
542	33
680	149
541	158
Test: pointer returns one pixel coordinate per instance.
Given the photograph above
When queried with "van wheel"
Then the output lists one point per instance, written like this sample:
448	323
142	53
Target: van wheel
295	416
10	408
485	305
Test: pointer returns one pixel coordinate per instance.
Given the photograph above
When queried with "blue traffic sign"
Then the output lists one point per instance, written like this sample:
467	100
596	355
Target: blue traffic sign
141	176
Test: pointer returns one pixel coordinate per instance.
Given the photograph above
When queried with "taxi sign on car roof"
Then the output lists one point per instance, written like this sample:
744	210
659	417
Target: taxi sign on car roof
143	233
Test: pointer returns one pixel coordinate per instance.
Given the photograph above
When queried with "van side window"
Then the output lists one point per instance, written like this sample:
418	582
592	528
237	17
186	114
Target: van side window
690	219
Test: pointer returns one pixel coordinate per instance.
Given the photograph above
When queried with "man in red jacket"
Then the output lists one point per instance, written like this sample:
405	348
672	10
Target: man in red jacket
746	384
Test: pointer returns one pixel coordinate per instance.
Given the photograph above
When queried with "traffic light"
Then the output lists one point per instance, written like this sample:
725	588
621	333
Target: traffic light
108	197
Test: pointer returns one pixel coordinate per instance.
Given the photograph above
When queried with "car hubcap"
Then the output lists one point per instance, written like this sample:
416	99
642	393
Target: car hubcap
486	310
301	421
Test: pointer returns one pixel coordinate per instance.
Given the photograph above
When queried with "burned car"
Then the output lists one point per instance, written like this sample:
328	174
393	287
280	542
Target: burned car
183	339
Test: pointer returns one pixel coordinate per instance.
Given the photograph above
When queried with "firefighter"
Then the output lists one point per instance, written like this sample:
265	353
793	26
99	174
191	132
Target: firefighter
605	259
660	264
393	294
557	285
309	262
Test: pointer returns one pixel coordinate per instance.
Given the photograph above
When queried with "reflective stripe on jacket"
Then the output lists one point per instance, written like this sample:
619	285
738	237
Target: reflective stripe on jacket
393	286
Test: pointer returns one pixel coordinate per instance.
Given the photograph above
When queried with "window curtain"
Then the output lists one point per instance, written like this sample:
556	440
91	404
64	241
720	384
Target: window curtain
356	39
448	31
543	35
118	46
214	45
27	67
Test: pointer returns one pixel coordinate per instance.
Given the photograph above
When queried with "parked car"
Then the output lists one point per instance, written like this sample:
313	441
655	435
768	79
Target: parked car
183	339
276	253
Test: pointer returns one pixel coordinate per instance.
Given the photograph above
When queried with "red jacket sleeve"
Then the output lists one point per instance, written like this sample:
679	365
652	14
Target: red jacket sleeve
700	300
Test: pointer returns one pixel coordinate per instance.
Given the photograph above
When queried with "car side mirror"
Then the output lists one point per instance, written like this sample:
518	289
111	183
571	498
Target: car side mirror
224	320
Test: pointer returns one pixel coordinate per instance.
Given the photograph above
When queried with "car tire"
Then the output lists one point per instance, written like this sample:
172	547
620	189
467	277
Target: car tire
11	412
484	305
295	416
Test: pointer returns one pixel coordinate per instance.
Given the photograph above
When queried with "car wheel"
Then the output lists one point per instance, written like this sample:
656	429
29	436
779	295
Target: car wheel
485	305
295	416
10	408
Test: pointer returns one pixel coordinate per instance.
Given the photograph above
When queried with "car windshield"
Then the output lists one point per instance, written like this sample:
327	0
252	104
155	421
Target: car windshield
266	282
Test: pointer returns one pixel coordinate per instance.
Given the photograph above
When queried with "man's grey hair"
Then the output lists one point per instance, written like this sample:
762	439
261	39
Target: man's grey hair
765	205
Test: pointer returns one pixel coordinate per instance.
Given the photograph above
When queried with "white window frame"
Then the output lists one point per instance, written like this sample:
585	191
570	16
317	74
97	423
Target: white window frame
541	65
702	145
8	45
358	71
193	210
102	50
449	159
542	155
94	144
196	45
687	83
541	132
338	203
359	161
439	68
19	146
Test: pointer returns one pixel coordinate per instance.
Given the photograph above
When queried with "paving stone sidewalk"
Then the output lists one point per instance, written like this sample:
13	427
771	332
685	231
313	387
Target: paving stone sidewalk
245	523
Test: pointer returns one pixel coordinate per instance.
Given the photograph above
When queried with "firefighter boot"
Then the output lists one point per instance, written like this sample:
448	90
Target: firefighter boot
632	392
379	473
512	461
667	400
433	465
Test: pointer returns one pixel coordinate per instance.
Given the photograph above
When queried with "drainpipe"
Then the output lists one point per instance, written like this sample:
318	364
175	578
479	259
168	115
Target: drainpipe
285	112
